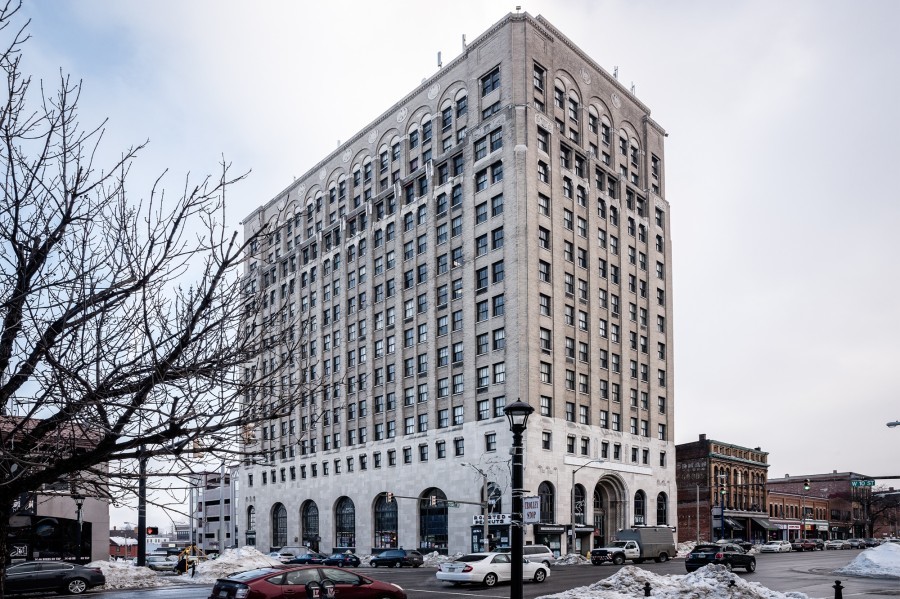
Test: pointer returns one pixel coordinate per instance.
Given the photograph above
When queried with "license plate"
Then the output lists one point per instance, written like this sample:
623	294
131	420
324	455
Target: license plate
223	593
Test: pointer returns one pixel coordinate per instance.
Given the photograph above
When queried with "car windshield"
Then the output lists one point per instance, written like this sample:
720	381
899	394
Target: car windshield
249	574
707	548
619	543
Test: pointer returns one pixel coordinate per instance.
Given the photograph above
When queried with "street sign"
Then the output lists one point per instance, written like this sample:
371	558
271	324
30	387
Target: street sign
862	483
531	506
452	504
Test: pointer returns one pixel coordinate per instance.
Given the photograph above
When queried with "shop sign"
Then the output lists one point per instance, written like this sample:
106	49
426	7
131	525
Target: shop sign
549	529
531	508
493	519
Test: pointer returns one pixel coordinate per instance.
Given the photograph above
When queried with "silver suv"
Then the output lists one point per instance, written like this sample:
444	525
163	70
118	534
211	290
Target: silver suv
534	553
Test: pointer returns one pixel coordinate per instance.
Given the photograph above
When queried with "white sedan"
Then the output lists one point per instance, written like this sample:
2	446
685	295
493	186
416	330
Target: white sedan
775	547
488	569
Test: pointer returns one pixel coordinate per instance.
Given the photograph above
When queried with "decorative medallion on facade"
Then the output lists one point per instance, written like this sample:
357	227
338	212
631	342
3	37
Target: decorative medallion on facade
301	190
402	113
616	100
433	91
373	136
322	174
585	76
346	156
542	121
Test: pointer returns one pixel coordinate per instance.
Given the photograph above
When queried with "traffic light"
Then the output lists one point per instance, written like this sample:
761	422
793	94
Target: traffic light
433	500
390	497
723	490
152	530
806	485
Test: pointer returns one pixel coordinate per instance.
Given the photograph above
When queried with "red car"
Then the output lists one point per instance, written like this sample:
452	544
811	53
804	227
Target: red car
803	545
277	582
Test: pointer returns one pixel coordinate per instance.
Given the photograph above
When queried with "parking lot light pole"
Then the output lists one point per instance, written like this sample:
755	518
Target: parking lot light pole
517	413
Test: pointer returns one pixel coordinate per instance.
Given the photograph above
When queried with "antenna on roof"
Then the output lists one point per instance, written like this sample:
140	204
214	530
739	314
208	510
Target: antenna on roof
440	64
616	72
518	8
464	42
632	88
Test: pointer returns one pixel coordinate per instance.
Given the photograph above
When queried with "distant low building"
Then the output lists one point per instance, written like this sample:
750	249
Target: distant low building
122	547
848	496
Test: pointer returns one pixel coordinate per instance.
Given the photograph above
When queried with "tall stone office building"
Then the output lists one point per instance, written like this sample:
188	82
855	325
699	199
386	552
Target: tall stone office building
501	232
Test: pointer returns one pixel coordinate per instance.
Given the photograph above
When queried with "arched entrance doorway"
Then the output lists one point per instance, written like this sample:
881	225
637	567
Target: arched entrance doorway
344	525
433	535
279	526
610	508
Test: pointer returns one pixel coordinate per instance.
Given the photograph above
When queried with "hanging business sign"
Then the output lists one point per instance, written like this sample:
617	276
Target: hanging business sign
531	510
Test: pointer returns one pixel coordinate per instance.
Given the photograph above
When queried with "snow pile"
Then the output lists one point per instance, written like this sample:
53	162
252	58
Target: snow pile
709	582
228	562
572	559
435	559
122	575
682	549
881	561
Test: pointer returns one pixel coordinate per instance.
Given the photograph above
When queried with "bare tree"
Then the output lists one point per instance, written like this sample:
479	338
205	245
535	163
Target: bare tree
120	321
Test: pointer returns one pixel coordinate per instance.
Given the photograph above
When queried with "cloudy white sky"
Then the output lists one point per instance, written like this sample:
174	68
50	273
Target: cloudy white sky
783	128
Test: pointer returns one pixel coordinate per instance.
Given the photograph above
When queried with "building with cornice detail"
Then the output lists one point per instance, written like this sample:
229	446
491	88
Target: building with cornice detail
500	233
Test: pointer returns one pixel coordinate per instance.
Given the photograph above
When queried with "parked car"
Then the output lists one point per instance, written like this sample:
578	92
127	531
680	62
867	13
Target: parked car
62	577
837	544
489	569
729	555
345	560
308	557
820	543
288	553
871	542
745	545
160	563
857	543
534	553
803	545
276	582
398	558
775	547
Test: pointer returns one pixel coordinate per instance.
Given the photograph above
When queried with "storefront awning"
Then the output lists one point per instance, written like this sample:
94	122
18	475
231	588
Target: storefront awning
734	524
764	522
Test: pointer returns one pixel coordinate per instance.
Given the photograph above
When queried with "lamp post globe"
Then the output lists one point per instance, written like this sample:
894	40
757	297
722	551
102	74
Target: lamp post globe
517	413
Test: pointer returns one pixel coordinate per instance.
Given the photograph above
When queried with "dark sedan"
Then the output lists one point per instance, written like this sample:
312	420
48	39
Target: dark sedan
345	560
729	555
62	577
398	558
277	582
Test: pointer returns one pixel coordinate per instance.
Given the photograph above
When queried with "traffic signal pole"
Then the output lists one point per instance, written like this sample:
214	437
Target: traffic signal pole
142	510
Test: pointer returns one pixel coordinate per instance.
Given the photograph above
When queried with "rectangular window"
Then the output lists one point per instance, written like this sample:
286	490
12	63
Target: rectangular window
491	81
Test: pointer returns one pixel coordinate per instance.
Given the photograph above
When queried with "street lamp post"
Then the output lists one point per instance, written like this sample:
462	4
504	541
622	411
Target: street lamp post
572	506
722	477
803	509
893	424
517	413
79	503
484	506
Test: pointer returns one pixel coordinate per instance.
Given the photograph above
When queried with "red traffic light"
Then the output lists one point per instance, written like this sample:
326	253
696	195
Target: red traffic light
152	530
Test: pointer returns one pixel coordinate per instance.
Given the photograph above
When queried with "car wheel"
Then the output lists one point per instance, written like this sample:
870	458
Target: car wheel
540	575
546	563
373	564
76	586
490	580
729	567
663	557
399	564
751	566
618	559
416	565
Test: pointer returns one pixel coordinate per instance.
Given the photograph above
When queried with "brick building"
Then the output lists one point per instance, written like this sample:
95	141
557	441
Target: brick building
846	505
716	478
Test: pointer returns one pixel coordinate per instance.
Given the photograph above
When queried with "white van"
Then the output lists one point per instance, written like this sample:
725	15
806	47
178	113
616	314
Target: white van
534	553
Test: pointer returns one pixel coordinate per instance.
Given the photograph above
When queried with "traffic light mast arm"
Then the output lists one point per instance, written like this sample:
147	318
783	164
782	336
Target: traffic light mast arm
418	498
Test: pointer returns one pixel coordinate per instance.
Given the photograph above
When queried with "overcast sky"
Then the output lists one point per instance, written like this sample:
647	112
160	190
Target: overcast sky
783	130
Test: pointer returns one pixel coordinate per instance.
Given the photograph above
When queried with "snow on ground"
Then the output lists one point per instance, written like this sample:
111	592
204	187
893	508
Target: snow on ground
122	575
572	559
708	582
881	561
231	560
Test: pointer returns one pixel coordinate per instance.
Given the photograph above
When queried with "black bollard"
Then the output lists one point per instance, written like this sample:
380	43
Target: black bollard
731	582
646	589
838	590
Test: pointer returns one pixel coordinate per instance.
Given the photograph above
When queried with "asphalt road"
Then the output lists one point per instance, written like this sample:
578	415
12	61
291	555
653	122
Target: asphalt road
809	573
